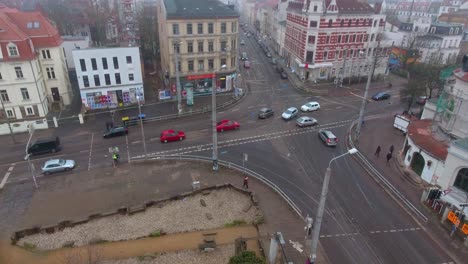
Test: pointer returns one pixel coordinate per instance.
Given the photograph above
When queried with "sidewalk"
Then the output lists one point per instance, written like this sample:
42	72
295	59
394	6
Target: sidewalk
409	184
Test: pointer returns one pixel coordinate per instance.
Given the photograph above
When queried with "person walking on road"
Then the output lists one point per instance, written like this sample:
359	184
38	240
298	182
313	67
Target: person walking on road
377	151
389	157
391	149
246	182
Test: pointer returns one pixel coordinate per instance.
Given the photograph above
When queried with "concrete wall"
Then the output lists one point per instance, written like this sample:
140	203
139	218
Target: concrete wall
21	127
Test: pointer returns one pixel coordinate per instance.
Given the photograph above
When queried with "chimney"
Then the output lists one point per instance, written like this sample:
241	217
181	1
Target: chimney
465	63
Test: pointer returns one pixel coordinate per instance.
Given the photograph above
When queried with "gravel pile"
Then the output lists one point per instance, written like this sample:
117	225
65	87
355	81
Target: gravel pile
220	207
221	255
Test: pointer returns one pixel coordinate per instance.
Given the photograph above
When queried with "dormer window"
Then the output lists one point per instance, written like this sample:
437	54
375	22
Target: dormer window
451	31
13	50
34	24
456	31
433	29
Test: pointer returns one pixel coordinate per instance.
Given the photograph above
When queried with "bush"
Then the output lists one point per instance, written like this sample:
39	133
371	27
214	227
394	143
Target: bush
246	257
235	223
156	233
29	246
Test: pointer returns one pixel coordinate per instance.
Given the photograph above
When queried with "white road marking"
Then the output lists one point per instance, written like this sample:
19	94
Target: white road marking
152	139
90	152
128	150
250	122
83	151
234	110
374	232
4	180
203	130
251	106
136	142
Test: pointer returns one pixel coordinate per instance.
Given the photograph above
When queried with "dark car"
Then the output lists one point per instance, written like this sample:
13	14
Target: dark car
116	131
283	75
381	96
265	113
41	146
279	69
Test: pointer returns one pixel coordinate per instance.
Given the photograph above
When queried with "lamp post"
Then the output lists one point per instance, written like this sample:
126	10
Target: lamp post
141	126
179	96
213	119
321	208
364	98
30	165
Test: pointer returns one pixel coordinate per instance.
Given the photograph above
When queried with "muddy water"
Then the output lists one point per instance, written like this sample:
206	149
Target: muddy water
124	249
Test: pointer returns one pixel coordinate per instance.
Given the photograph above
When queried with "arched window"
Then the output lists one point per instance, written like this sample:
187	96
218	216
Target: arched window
461	181
330	22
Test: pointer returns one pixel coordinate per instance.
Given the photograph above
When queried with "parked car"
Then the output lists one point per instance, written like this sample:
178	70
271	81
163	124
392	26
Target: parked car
328	137
310	106
116	131
247	64
304	121
265	113
57	165
41	146
248	35
171	135
283	75
279	69
290	113
381	96
273	61
268	54
224	125
242	42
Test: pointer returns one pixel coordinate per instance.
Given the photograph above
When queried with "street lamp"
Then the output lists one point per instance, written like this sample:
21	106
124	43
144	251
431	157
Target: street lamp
141	126
321	208
213	118
28	156
176	58
364	98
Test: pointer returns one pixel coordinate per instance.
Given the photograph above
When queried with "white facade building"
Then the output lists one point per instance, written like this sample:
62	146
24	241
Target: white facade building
109	77
69	44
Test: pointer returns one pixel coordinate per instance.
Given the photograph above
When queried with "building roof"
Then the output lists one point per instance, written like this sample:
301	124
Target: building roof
461	143
344	6
420	132
190	9
461	75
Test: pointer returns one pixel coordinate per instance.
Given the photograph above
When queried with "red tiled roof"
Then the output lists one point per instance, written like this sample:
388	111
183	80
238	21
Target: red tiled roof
460	74
420	132
344	6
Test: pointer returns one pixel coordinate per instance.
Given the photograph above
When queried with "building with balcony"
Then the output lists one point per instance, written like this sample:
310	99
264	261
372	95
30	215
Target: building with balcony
334	39
201	35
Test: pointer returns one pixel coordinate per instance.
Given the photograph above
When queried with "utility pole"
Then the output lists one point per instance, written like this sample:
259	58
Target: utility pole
179	96
141	126
213	120
28	156
364	99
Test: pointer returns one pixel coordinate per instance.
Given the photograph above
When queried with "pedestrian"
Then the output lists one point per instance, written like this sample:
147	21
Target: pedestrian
377	151
389	157
391	149
453	230
246	182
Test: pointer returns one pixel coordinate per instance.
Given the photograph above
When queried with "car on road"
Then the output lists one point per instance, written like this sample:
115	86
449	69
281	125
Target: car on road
422	100
304	121
242	42
57	165
283	75
225	124
290	113
116	131
244	56
279	69
247	64
328	137
310	106
268	54
273	61
265	113
381	96
45	145
248	35
171	135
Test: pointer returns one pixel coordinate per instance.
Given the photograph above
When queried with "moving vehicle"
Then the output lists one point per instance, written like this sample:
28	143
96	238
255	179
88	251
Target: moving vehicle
265	113
283	75
244	56
381	96
273	61
328	137
304	121
171	135
224	125
116	131
310	106
41	146
290	113
247	64
57	165
268	54
279	69
242	42
401	123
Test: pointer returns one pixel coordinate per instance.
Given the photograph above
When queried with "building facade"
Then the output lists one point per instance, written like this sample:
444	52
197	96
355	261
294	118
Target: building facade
334	39
201	36
109	77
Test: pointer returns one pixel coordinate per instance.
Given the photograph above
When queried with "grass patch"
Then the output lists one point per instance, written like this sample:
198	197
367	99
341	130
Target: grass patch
156	233
235	223
29	246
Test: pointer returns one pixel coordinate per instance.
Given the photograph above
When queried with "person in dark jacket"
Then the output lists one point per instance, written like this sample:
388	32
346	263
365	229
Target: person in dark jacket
377	151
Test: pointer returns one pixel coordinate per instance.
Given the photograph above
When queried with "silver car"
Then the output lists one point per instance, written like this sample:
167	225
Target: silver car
304	121
57	165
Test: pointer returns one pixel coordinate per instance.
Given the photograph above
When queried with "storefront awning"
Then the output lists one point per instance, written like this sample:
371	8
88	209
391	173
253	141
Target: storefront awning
456	197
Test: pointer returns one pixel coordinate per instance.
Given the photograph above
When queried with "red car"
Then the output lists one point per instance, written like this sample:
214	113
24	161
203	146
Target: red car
171	135
224	125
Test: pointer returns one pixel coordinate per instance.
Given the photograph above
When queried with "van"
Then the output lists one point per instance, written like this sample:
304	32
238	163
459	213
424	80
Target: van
244	56
328	137
41	146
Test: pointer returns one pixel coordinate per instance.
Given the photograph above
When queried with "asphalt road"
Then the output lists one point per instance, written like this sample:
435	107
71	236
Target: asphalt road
361	225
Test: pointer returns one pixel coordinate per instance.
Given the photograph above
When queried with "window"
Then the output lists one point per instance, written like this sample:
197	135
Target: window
233	62
315	8
200	28
189	29
357	22
4	95
372	37
223	61
189	47
223	45
461	181
177	49
234	27
210	28
116	62
107	79
117	78
104	63
330	23
342	23
9	113
313	24
85	81
233	44
25	93
349	22
311	39
210	64
13	51
190	65
353	38
375	23
339	39
210	46
29	110
97	82
223	27
346	39
131	77
45	54
201	65
175	29
50	73
94	64
1	78
325	55
200	46
129	59
83	65
19	72
328	39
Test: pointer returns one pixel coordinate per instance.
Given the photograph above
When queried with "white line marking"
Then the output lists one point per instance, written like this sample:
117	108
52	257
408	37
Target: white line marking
234	110
251	106
11	167
4	180
136	142
90	152
221	112
251	122
128	150
83	151
152	139
204	130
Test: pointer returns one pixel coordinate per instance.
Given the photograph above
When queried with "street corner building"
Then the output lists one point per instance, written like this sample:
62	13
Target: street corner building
109	77
200	37
33	72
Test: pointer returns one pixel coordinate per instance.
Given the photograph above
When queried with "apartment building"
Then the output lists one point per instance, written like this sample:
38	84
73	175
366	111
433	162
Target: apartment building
109	77
441	44
201	35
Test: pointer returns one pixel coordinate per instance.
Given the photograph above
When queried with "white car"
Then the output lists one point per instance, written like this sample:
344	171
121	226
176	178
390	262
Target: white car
56	165
310	106
290	113
304	121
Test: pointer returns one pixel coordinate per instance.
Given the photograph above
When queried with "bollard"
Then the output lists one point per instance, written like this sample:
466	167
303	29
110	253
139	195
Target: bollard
80	117
55	122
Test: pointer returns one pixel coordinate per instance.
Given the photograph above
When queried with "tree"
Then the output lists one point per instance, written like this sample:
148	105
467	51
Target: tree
246	257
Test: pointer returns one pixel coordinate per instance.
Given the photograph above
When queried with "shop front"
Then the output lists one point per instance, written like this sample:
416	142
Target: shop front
201	84
112	97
